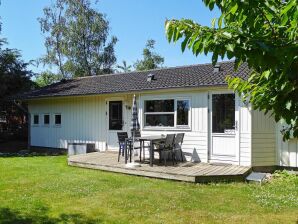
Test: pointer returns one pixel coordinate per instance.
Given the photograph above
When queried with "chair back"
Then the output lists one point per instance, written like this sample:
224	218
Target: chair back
179	139
122	136
137	134
169	140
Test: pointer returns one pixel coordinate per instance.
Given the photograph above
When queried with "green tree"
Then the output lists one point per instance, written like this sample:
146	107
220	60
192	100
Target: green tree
47	78
124	67
77	39
261	33
151	60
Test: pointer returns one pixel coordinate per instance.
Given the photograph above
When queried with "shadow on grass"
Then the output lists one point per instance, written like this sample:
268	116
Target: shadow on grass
9	216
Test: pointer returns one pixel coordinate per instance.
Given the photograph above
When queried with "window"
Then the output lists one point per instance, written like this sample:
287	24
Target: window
46	119
115	115
159	113
182	112
223	113
166	113
57	119
36	119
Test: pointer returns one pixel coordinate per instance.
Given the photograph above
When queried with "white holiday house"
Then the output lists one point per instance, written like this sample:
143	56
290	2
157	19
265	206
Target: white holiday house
194	99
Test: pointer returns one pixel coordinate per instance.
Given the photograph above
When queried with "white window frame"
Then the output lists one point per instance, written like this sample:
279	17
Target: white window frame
175	127
33	123
44	119
57	125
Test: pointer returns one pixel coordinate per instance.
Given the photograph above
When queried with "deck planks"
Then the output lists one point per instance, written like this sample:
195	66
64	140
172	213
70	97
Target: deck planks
189	172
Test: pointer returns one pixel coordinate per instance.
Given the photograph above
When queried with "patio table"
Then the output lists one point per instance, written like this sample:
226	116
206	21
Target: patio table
151	139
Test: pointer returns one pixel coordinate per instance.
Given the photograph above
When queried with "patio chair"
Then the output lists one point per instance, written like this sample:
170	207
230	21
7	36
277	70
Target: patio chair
166	148
121	141
178	145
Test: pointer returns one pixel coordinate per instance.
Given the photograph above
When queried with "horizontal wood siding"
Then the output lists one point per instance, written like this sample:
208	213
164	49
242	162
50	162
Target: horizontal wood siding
263	139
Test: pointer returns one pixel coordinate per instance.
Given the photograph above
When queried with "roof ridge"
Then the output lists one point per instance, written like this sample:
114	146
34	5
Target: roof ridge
152	70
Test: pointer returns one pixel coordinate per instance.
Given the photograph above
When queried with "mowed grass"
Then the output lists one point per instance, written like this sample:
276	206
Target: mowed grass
46	190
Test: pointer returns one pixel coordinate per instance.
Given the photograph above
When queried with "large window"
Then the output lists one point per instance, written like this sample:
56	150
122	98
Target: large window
166	113
223	113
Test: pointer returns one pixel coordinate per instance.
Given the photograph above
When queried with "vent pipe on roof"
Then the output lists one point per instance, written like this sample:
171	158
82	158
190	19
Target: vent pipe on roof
216	68
150	77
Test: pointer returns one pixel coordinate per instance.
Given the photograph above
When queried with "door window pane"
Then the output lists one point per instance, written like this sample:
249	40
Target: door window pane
223	113
159	120
115	115
182	112
159	106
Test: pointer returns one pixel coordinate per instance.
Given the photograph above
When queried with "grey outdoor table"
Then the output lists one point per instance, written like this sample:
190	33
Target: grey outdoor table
151	140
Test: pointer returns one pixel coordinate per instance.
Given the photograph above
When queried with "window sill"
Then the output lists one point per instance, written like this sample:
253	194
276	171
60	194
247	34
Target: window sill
166	129
57	125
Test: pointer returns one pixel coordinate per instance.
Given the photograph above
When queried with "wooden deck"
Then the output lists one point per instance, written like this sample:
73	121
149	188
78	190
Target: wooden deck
186	171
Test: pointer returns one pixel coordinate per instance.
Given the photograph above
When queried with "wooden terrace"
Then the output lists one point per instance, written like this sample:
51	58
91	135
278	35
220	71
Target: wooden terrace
183	171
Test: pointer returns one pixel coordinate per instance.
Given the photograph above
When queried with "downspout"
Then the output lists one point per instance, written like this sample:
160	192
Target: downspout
29	122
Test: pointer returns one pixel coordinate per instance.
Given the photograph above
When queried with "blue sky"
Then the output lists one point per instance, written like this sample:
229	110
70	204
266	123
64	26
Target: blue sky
133	22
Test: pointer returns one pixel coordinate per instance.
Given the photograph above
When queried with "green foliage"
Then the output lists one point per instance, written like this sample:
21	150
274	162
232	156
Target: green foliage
151	60
264	35
14	73
124	67
47	78
77	39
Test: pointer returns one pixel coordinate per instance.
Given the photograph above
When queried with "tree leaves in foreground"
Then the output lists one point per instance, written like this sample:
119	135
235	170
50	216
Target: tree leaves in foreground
265	35
76	39
151	60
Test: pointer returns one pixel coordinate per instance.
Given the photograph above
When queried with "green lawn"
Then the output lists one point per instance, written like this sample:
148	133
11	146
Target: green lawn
46	190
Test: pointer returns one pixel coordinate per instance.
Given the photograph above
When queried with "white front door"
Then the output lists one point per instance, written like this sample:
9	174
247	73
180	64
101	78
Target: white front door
223	134
115	122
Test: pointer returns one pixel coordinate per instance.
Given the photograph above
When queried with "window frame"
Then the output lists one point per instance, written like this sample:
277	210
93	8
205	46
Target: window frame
175	127
33	120
55	124
46	114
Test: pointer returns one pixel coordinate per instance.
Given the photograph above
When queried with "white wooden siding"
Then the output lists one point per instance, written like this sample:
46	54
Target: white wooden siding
287	151
263	139
83	120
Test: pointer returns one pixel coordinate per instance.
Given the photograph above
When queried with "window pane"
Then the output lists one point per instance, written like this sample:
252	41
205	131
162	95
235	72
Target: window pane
58	119
159	120
36	119
46	119
182	112
223	113
115	115
159	106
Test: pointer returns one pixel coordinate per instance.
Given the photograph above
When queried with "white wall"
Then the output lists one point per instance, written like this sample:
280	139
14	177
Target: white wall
287	151
263	139
83	120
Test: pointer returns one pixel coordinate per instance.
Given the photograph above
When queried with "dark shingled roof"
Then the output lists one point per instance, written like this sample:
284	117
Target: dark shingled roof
177	77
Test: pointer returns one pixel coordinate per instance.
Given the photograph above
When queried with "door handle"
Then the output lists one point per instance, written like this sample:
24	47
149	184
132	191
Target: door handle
236	126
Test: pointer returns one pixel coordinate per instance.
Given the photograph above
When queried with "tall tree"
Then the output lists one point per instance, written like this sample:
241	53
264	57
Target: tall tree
124	67
151	60
265	35
47	78
77	39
